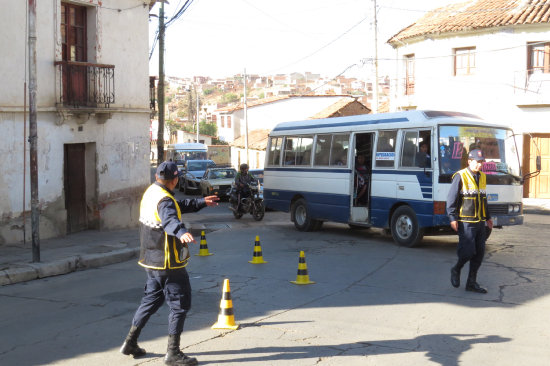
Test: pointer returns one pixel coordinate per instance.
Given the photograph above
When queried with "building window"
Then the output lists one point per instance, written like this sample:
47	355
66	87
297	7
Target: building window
73	32
228	121
538	57
465	61
409	74
222	121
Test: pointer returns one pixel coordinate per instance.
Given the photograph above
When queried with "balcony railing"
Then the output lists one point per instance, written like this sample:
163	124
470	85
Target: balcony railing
87	85
532	86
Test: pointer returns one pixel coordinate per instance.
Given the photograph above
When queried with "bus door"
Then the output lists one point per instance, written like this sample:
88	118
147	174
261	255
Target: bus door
361	185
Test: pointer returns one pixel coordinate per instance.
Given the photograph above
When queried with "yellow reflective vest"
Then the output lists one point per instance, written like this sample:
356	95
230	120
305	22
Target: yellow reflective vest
158	249
473	207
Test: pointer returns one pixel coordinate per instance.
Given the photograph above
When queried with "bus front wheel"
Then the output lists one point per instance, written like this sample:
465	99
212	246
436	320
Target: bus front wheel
404	227
302	217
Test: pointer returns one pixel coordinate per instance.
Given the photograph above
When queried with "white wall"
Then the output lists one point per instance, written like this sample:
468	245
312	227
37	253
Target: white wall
494	92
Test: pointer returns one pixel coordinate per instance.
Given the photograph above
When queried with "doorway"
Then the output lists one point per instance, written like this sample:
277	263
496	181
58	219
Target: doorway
362	167
79	181
539	186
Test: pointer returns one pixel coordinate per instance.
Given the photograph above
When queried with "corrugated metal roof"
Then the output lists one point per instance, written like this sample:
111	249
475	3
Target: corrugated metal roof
477	14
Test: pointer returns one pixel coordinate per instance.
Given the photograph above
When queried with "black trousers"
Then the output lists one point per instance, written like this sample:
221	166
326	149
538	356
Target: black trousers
172	286
471	244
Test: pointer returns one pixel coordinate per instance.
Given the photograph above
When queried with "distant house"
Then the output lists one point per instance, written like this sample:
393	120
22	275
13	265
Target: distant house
257	138
266	113
486	57
93	112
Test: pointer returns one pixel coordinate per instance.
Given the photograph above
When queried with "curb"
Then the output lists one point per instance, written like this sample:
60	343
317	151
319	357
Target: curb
32	271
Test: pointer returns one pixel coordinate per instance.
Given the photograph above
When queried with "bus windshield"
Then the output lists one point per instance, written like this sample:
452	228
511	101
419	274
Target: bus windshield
181	155
497	144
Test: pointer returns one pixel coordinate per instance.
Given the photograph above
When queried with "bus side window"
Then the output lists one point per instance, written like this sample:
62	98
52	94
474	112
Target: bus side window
322	150
408	152
275	151
385	149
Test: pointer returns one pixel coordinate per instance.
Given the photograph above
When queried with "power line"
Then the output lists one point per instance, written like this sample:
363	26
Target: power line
323	47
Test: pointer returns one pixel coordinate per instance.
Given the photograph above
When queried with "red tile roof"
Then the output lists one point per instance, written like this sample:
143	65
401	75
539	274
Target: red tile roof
257	140
476	14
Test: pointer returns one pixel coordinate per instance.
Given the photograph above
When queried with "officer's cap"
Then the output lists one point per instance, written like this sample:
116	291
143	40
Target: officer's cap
167	170
476	154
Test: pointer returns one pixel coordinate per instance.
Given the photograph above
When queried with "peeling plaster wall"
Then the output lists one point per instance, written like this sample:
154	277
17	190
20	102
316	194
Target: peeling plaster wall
120	171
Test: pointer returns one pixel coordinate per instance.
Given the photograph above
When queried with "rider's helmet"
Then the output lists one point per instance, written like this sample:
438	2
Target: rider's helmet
244	167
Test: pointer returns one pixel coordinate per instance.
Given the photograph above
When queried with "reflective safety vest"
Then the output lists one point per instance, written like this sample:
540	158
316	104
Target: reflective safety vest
474	198
158	249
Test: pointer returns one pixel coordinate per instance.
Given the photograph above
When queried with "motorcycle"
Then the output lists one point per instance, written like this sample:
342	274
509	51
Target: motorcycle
253	204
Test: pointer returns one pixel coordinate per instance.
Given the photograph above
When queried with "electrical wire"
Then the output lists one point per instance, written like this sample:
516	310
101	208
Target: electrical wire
323	47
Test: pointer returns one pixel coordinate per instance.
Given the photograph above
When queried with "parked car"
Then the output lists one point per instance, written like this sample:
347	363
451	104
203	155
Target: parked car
192	172
217	181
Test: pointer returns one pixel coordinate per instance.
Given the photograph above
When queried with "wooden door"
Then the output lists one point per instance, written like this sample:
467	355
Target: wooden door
75	187
539	186
74	49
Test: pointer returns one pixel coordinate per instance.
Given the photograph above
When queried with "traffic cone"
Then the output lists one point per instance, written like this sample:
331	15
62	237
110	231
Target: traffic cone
203	249
257	256
226	319
302	278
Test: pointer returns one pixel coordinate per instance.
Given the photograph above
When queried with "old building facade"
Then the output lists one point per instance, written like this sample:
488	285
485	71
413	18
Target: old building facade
92	102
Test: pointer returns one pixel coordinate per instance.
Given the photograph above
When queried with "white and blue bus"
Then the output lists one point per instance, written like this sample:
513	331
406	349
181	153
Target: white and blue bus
311	171
178	153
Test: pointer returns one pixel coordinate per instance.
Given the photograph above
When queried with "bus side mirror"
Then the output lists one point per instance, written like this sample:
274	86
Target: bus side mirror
538	163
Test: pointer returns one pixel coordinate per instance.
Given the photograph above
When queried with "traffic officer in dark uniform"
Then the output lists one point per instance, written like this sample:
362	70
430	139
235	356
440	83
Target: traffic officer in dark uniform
164	255
469	214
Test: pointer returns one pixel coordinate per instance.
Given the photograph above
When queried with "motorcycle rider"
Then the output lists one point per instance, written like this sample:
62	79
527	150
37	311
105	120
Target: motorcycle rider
242	182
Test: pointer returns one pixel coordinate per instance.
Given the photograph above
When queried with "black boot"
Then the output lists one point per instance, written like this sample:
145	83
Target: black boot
472	285
130	346
174	356
455	276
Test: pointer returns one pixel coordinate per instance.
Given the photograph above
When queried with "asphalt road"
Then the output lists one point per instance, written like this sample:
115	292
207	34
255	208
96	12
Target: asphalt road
373	303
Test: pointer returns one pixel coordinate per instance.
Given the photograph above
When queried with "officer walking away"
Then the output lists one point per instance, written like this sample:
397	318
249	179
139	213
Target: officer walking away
164	254
468	212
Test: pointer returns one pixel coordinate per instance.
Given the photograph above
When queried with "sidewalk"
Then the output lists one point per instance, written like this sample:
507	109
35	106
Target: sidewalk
91	249
74	252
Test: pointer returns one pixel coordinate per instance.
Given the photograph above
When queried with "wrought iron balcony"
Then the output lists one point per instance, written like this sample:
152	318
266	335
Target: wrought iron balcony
87	85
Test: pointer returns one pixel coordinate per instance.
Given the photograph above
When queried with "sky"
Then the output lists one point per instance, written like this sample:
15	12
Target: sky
222	38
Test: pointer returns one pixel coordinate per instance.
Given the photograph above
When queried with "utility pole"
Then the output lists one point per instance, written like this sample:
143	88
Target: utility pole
190	108
375	86
245	119
197	96
160	97
33	133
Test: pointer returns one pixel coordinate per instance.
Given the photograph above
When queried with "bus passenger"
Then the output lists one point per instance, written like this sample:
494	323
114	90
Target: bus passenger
361	176
423	156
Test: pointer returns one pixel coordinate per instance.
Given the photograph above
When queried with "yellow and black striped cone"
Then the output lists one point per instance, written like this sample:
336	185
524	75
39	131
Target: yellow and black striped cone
226	318
257	256
302	278
203	249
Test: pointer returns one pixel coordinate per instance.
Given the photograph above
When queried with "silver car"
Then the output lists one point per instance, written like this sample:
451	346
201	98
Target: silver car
217	181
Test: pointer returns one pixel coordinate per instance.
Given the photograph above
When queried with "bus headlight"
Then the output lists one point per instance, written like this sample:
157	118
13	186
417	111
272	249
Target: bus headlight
510	209
516	208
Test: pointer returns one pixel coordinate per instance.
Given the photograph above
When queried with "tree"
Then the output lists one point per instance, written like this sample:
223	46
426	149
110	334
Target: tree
208	128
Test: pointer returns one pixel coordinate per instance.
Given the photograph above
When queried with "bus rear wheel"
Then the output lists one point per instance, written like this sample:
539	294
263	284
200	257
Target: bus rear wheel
302	217
404	227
